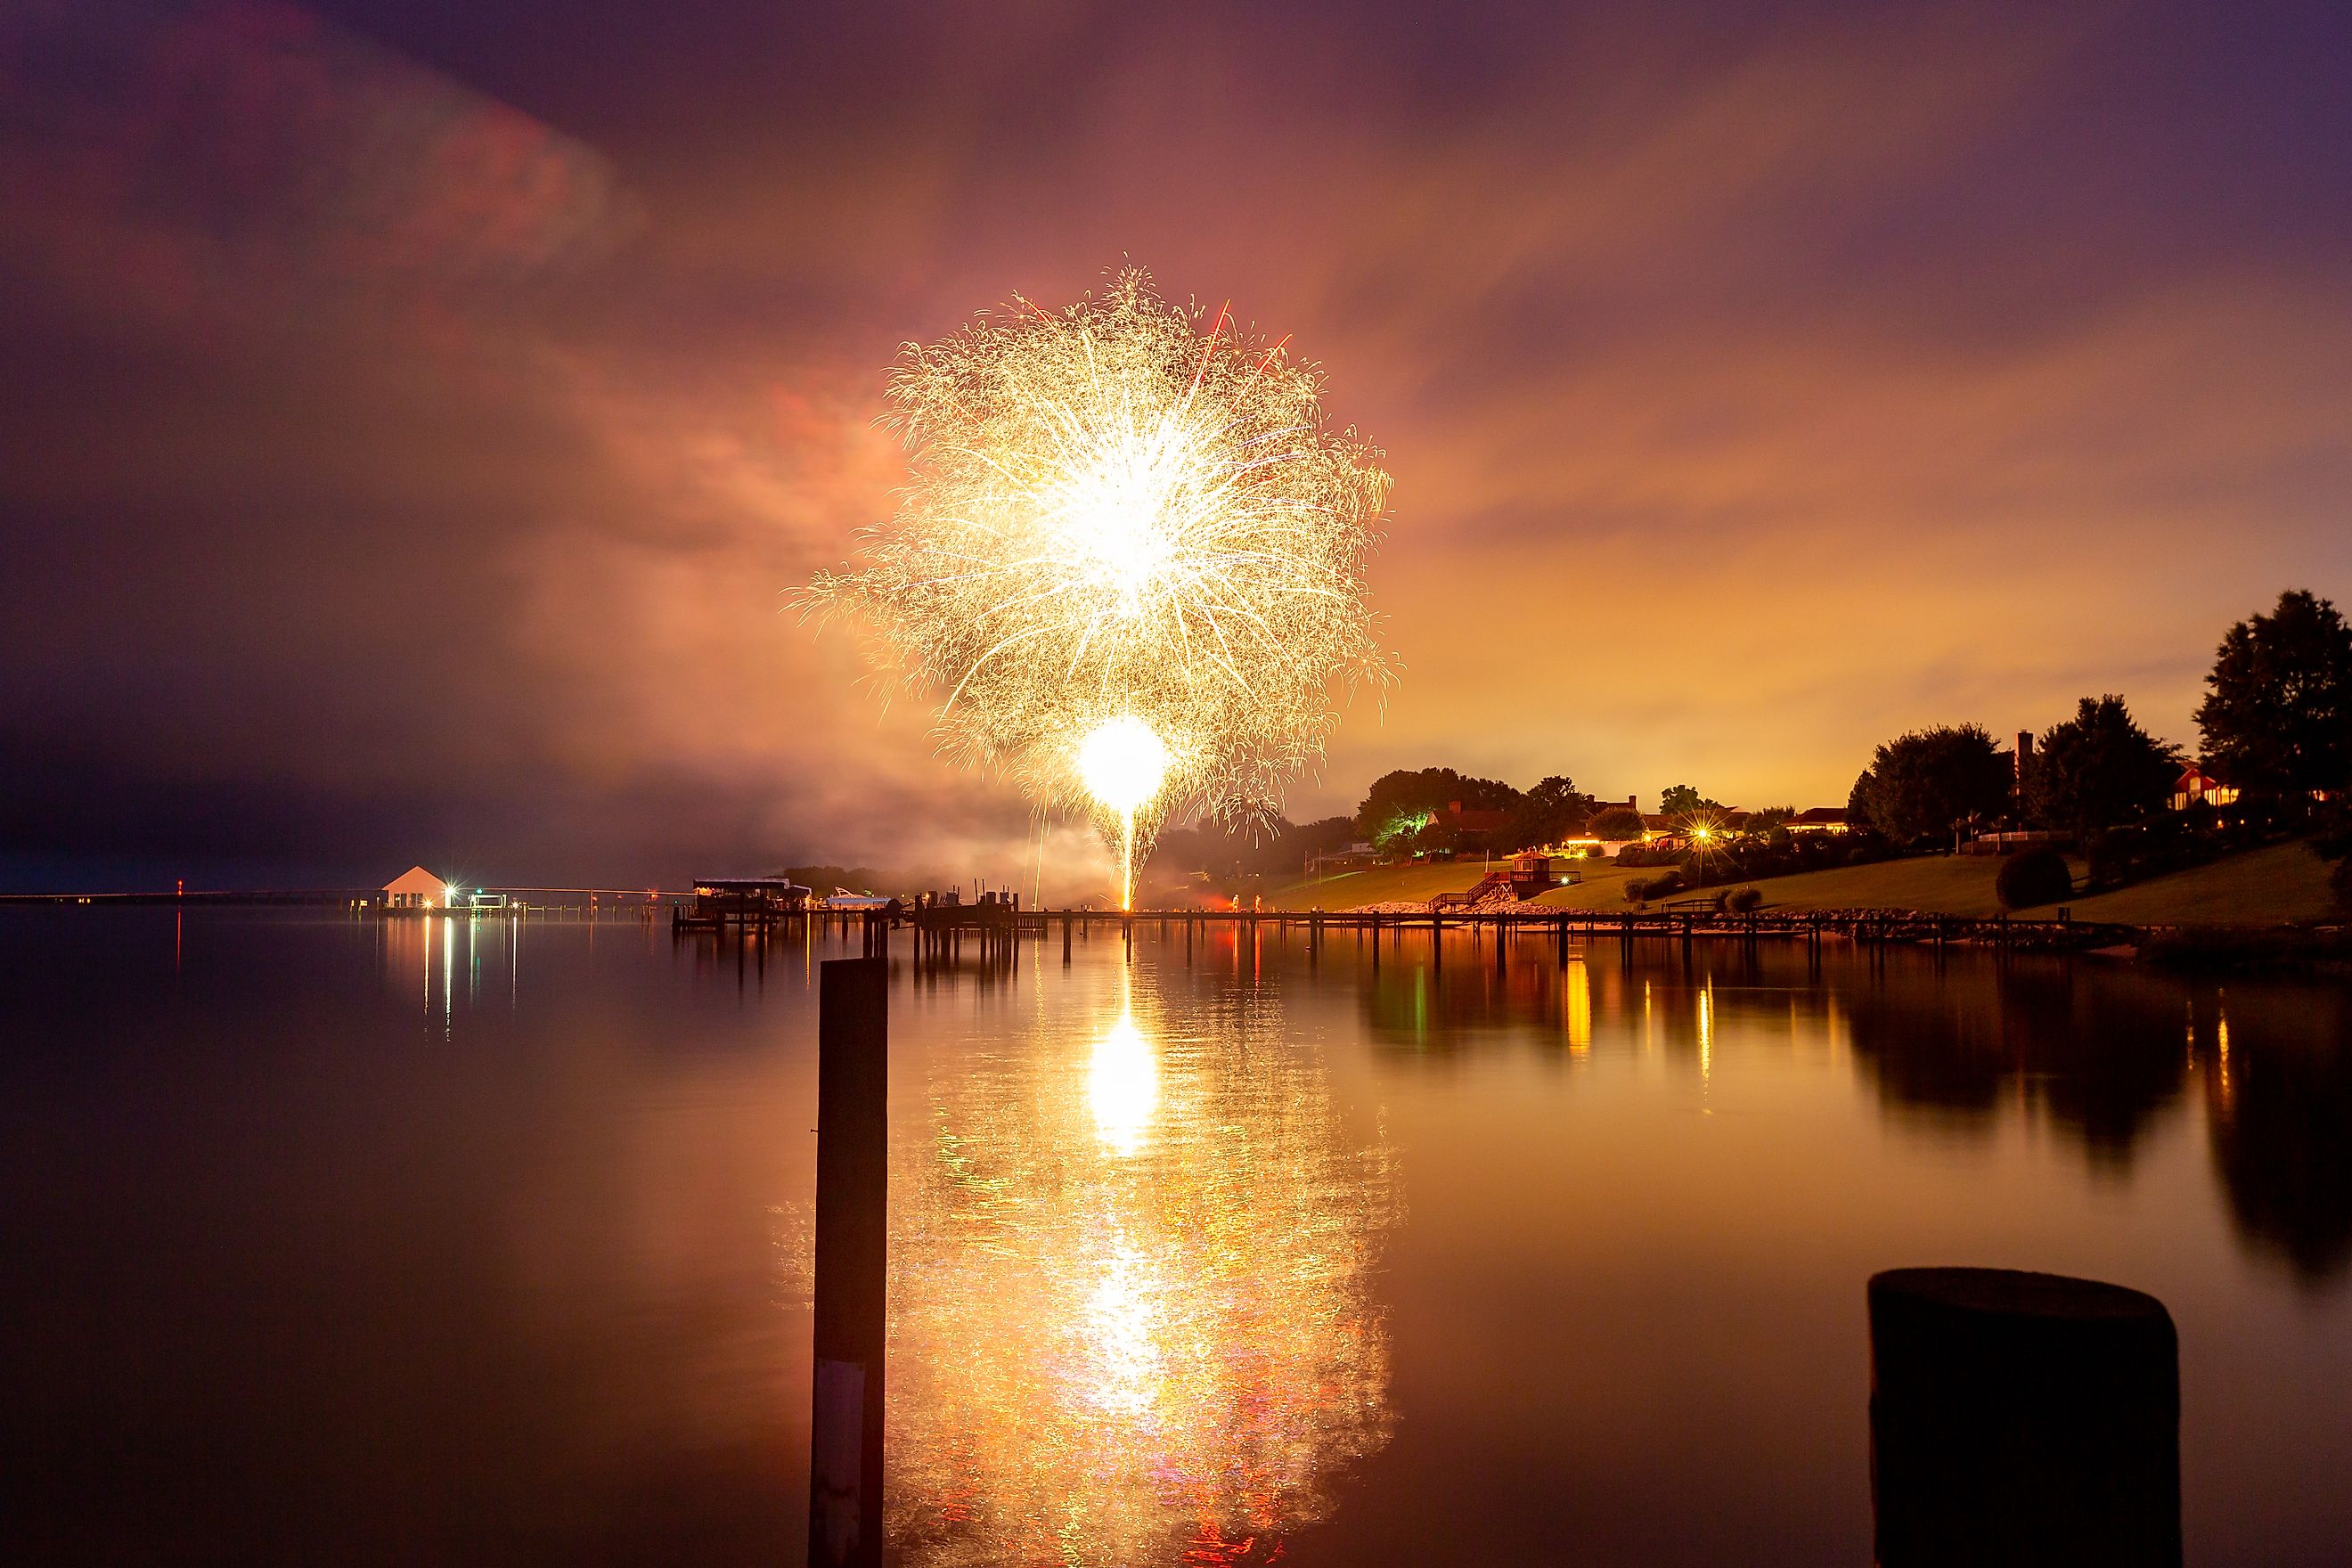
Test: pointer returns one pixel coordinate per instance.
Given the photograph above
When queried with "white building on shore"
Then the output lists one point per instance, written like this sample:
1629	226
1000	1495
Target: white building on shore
414	888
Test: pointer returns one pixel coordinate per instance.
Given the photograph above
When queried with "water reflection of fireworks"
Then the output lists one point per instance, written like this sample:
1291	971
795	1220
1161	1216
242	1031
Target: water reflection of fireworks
1132	1317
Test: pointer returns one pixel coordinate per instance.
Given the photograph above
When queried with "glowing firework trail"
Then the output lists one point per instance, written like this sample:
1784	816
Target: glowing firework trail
1122	764
1115	519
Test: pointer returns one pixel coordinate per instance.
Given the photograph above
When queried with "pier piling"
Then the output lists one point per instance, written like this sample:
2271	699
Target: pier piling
2022	1419
853	1056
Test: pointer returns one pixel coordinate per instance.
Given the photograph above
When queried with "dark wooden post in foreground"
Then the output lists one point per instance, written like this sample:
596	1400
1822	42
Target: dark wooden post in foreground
853	1165
2022	1419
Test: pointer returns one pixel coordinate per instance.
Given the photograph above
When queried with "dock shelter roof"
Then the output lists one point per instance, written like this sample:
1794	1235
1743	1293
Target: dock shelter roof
415	879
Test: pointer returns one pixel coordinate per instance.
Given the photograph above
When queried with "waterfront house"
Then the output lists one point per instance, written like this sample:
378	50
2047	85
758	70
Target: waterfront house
414	888
1475	825
1353	856
2196	784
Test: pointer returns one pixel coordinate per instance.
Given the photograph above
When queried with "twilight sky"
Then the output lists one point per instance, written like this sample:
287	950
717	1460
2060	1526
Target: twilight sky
416	409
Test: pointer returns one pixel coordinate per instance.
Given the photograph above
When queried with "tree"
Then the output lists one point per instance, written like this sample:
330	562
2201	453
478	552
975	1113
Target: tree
1618	825
1857	803
1227	850
1432	838
1323	835
1402	802
1929	783
1549	813
1681	800
2098	769
2278	719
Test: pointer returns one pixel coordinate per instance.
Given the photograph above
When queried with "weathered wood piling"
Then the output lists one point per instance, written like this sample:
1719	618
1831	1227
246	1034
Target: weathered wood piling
2022	1419
853	1056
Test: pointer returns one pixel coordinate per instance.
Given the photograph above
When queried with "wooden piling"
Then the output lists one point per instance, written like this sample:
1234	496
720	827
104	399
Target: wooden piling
2022	1419
853	1056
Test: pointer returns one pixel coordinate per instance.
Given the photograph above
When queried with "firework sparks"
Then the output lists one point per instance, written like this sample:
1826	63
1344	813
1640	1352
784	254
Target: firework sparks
1117	519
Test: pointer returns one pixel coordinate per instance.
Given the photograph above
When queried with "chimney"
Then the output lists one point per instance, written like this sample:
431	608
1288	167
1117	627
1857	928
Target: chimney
2024	754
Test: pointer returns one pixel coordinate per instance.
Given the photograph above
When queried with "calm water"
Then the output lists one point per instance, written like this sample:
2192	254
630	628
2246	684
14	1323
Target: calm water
396	1242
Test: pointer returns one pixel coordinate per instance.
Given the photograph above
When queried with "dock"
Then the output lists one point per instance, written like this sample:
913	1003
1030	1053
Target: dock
995	926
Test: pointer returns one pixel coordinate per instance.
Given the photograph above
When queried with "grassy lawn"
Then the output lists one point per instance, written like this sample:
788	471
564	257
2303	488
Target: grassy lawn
2262	887
2269	886
1943	884
1602	886
1374	885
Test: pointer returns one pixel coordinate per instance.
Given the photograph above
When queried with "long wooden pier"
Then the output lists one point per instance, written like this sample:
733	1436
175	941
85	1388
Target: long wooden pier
941	930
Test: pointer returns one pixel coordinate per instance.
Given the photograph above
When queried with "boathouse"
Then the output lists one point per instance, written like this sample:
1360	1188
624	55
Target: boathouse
414	888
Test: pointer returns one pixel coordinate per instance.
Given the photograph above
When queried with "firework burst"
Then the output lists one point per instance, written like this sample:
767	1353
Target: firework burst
1117	514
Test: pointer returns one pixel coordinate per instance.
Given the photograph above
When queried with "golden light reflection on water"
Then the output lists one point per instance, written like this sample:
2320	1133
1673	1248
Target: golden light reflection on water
1132	1296
1576	1006
1123	1085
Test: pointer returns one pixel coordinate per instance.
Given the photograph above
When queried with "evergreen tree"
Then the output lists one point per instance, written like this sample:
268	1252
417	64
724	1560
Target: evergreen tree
2098	769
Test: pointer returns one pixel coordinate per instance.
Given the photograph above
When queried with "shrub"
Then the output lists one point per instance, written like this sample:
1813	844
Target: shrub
1594	852
1743	901
1638	888
2035	877
2339	882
